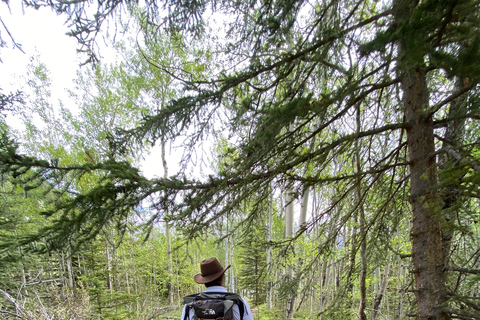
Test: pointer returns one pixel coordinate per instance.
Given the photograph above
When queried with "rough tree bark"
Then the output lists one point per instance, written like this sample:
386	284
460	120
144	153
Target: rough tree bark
428	255
426	234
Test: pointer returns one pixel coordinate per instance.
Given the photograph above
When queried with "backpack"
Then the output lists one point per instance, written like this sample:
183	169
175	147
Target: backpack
213	305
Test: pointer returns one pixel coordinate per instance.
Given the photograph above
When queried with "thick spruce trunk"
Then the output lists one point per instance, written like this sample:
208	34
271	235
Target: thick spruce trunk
428	256
426	234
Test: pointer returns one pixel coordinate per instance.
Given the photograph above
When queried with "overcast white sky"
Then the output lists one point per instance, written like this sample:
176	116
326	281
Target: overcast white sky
40	32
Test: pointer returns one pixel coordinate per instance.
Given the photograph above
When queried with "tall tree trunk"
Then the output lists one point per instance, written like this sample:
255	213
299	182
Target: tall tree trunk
228	247
400	288
323	288
22	268
70	269
306	189
269	253
289	212
426	234
232	275
127	281
427	251
453	138
170	290
381	291
108	257
304	208
363	260
363	231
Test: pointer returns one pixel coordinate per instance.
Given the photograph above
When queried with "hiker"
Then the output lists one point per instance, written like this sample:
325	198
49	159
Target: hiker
215	302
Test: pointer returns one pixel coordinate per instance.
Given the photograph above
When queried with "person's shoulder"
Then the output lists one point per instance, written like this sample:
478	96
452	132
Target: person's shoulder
244	300
247	311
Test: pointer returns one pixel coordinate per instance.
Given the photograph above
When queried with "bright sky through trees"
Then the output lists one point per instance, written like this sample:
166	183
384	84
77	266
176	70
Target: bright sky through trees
40	32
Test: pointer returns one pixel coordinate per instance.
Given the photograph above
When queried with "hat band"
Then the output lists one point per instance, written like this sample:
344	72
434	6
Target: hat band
215	272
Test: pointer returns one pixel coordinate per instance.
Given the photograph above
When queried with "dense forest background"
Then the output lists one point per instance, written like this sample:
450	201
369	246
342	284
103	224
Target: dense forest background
328	150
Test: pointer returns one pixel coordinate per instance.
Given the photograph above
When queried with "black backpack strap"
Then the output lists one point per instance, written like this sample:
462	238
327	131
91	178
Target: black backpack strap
187	312
188	300
241	308
238	301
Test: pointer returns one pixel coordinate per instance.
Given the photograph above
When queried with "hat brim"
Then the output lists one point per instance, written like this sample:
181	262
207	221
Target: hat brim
198	278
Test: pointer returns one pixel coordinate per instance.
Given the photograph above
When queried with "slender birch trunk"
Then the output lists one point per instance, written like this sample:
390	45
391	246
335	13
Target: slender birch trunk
304	208
289	213
382	287
70	276
108	257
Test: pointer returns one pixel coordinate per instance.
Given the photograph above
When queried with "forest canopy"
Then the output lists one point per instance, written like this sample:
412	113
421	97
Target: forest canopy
343	143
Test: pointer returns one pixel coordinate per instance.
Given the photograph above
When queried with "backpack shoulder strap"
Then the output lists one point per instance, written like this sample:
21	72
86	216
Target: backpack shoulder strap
238	301
241	308
186	312
190	298
187	300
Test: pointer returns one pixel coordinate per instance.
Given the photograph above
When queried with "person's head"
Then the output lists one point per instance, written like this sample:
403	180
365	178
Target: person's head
217	282
212	273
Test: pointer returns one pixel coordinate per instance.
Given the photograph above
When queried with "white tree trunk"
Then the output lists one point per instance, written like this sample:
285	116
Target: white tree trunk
289	213
109	263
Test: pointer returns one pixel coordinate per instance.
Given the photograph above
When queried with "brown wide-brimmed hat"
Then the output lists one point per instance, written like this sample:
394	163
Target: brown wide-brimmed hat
211	269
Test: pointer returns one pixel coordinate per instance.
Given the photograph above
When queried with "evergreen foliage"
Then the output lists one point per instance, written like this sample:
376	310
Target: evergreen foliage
252	273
